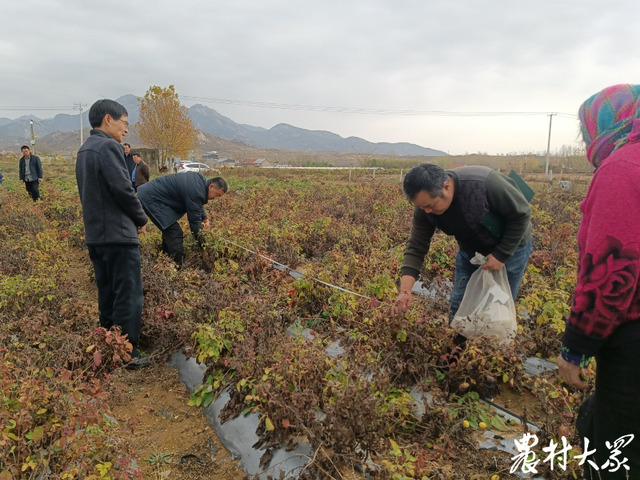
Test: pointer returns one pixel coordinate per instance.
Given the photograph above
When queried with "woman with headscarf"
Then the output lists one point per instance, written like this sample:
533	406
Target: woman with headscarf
604	321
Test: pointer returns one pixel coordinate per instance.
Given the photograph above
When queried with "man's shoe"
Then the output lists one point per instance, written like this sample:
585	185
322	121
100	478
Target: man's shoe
137	362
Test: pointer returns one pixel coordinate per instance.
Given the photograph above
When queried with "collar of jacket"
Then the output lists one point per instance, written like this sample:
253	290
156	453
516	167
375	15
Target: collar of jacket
100	133
206	189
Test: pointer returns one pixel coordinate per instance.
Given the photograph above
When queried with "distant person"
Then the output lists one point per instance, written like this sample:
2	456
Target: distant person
1	196
140	173
457	201
30	168
166	199
113	217
604	321
128	158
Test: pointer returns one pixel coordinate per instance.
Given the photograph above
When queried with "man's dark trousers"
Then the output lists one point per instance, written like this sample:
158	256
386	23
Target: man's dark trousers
33	189
612	411
117	270
172	239
173	242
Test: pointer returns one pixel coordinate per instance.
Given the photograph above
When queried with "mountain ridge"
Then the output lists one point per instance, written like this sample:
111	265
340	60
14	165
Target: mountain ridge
282	136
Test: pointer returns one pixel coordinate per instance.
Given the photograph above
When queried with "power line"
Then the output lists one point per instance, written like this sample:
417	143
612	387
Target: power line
26	107
362	111
42	126
323	108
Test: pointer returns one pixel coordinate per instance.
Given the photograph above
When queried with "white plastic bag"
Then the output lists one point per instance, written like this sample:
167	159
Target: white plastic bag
487	307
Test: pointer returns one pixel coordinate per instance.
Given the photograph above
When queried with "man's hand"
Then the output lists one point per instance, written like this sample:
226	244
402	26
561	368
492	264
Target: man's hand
39	180
570	373
403	302
22	181
206	224
492	263
142	229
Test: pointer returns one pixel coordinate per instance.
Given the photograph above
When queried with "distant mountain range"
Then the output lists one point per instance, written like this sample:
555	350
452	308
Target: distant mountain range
14	132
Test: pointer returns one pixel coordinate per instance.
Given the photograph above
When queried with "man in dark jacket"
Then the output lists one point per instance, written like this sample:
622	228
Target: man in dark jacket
30	171
128	158
113	217
467	203
140	173
166	199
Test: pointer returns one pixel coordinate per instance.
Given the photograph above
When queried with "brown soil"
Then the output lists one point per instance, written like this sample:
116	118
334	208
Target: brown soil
167	430
518	402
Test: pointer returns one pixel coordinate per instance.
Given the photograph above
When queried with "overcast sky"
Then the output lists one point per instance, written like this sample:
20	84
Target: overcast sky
414	55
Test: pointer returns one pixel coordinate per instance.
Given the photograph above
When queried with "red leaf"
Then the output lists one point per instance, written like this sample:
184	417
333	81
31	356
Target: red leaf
97	359
285	423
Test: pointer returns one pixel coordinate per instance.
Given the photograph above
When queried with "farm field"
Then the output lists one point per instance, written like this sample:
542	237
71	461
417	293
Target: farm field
68	410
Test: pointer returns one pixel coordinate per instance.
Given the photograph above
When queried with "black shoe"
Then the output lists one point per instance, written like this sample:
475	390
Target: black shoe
137	362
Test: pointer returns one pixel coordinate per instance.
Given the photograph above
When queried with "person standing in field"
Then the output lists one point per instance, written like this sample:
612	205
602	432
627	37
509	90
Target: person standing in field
604	321
113	217
457	201
140	173
128	158
167	198
1	195
30	172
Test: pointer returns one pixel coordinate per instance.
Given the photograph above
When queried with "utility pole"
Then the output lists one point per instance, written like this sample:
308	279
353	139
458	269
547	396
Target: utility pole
33	138
79	106
546	165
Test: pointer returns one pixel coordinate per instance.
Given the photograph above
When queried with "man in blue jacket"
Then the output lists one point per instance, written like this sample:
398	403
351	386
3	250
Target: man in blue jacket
113	217
166	199
30	171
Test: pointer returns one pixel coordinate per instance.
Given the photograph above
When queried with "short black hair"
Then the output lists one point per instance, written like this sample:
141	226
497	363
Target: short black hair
425	177
25	146
135	154
103	107
218	182
126	145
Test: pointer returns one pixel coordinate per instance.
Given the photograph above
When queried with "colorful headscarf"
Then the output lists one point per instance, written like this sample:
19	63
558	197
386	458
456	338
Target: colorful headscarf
609	119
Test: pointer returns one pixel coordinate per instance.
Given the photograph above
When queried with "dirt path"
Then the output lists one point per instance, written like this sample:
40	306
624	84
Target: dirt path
173	440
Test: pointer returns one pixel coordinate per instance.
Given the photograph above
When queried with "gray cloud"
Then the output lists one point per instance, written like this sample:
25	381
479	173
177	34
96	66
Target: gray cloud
464	56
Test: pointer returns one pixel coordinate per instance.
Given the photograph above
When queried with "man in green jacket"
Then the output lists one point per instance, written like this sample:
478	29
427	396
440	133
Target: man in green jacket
486	213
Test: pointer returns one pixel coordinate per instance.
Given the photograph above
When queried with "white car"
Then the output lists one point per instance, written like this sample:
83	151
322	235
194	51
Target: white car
193	167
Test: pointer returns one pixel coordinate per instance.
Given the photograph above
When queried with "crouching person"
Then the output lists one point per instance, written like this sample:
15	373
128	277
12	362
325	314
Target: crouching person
166	199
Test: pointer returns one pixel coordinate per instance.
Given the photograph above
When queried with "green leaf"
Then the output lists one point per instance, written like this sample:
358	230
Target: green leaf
396	448
483	417
498	423
38	433
207	399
